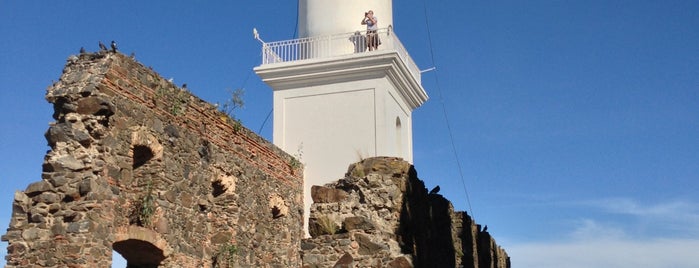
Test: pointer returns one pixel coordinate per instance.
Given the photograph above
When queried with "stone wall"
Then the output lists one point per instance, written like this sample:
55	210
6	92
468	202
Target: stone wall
381	215
143	167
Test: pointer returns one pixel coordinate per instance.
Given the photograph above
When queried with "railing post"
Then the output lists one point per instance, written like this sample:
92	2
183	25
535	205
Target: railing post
264	54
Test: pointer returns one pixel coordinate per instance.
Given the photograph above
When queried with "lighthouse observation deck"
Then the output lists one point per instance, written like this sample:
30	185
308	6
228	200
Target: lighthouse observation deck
333	46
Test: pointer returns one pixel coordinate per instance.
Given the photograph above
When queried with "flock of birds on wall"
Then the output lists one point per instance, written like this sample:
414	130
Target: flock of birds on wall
113	49
104	48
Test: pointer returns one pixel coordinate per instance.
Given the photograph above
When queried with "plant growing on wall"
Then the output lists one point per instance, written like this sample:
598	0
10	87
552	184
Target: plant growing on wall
225	257
295	161
147	206
234	102
358	170
144	209
179	101
231	104
327	225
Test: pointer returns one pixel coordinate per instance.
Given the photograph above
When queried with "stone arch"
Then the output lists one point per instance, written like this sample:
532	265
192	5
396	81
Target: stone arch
144	147
223	182
141	247
278	206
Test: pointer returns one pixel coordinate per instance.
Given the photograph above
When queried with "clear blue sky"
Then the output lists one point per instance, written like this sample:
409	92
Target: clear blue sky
576	122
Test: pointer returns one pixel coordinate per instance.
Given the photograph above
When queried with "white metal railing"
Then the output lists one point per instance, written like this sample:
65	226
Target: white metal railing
319	47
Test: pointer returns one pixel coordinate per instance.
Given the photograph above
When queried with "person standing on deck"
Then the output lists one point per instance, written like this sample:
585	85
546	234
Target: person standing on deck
371	23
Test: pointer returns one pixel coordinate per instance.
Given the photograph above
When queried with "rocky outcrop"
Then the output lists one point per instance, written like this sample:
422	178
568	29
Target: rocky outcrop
381	215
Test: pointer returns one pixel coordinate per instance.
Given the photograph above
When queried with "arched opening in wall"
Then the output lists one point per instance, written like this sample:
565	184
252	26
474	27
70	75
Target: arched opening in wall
217	188
137	254
223	183
141	155
399	137
278	206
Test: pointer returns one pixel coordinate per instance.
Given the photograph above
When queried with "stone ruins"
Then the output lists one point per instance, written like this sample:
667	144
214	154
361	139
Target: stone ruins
142	167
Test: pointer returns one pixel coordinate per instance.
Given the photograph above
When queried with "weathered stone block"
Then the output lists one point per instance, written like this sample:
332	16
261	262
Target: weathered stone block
57	133
47	198
86	186
39	208
18	222
400	262
358	223
12	235
321	194
366	246
346	261
34	234
58	228
78	227
37	188
17	248
37	218
55	207
58	181
66	163
22	200
221	238
305	245
161	226
314	259
95	106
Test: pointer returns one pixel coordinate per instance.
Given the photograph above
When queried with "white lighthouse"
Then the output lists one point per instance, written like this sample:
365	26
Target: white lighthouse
335	101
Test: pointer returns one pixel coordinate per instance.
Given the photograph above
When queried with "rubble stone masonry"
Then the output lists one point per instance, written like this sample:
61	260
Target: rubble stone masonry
142	167
381	215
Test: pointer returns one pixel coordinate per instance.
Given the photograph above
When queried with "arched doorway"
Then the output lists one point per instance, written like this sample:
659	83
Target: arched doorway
139	253
140	247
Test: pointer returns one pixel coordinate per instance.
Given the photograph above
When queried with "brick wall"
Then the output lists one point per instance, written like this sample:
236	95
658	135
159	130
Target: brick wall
142	166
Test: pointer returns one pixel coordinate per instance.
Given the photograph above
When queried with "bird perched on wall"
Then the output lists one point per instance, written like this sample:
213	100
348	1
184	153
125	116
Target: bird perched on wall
435	190
184	86
102	46
82	50
485	229
114	48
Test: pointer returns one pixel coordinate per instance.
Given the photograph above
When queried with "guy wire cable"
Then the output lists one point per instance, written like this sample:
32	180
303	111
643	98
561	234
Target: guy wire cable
444	110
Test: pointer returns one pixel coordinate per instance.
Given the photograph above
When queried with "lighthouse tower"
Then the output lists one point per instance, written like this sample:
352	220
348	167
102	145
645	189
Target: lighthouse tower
335	101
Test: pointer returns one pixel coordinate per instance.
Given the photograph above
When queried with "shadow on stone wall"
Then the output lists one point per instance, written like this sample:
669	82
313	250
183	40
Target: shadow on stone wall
469	257
425	226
